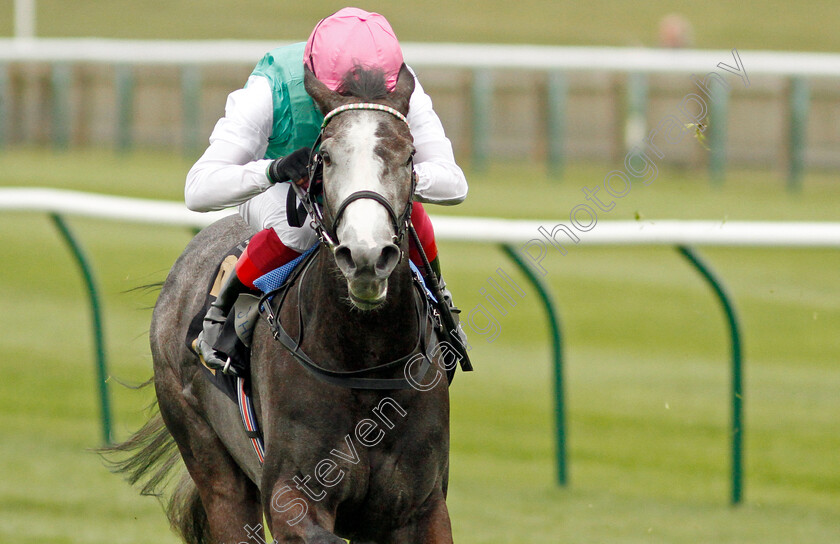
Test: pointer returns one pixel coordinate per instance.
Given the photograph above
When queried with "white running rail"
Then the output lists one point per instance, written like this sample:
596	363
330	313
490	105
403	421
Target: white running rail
464	229
450	55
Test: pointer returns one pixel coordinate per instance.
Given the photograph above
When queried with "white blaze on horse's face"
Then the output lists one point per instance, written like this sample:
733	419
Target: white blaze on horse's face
354	162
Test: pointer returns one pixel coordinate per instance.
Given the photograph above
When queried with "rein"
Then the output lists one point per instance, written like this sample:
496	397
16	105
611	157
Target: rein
327	235
354	379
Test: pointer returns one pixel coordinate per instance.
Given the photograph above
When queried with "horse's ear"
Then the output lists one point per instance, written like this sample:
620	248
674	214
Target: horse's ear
403	90
325	98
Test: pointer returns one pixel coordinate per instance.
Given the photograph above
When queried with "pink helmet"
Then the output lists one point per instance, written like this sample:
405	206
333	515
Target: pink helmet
352	37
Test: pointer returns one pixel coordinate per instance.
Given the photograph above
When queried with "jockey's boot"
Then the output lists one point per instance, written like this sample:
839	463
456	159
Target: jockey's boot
213	323
458	335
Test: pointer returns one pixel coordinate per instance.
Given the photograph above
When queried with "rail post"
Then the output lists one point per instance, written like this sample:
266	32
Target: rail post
799	105
718	119
5	110
482	100
635	127
191	100
98	334
737	389
61	81
124	89
557	90
557	360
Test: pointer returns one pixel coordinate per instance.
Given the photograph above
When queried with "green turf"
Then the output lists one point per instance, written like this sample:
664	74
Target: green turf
771	24
646	367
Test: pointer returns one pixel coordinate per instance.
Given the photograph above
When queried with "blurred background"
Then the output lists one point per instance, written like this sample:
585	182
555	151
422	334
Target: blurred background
645	344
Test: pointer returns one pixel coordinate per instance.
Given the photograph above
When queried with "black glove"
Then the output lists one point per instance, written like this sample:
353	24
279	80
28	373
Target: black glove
292	167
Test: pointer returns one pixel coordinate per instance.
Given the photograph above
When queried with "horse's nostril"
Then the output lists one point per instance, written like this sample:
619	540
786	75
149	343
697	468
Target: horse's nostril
377	260
344	258
388	259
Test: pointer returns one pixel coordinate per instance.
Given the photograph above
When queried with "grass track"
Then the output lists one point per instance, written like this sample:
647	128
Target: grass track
646	352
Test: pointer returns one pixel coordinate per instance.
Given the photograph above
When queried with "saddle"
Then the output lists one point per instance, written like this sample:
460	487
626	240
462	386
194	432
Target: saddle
235	339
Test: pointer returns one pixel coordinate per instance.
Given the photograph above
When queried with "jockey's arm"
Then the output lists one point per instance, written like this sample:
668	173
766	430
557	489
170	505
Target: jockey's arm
439	179
232	170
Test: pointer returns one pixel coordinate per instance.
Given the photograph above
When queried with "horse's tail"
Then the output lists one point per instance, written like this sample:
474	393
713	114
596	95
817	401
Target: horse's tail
152	462
186	514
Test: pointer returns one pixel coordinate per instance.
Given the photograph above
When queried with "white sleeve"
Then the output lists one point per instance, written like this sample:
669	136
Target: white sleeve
232	170
439	179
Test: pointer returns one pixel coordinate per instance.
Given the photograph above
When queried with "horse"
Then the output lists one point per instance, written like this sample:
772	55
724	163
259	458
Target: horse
368	465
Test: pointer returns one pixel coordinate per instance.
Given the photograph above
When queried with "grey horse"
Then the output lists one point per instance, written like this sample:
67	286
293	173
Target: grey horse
340	463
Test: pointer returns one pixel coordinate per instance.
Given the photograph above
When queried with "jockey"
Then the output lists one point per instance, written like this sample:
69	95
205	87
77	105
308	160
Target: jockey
261	145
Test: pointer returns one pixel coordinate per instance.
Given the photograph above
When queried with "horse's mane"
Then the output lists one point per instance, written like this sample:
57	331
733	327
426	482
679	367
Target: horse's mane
364	83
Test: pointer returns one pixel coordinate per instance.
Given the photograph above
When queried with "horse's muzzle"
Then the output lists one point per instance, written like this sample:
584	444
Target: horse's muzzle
367	269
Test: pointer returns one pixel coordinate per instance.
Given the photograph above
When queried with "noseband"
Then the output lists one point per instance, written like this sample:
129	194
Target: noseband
328	235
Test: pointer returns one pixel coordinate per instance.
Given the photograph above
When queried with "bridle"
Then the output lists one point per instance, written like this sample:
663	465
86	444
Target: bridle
361	379
328	234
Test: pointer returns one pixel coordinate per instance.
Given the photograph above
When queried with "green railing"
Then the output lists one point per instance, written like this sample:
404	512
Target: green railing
100	360
637	97
555	333
737	392
736	370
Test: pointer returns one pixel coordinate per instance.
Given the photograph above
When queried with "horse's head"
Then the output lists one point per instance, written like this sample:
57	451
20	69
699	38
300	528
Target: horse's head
367	151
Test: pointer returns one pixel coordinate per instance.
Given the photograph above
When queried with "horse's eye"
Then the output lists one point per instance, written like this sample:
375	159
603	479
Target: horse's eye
325	156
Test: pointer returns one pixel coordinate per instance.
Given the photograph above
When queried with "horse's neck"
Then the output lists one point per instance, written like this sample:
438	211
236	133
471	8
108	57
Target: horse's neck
351	337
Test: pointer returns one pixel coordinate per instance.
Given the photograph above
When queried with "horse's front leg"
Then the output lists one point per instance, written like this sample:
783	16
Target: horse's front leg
293	517
432	527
